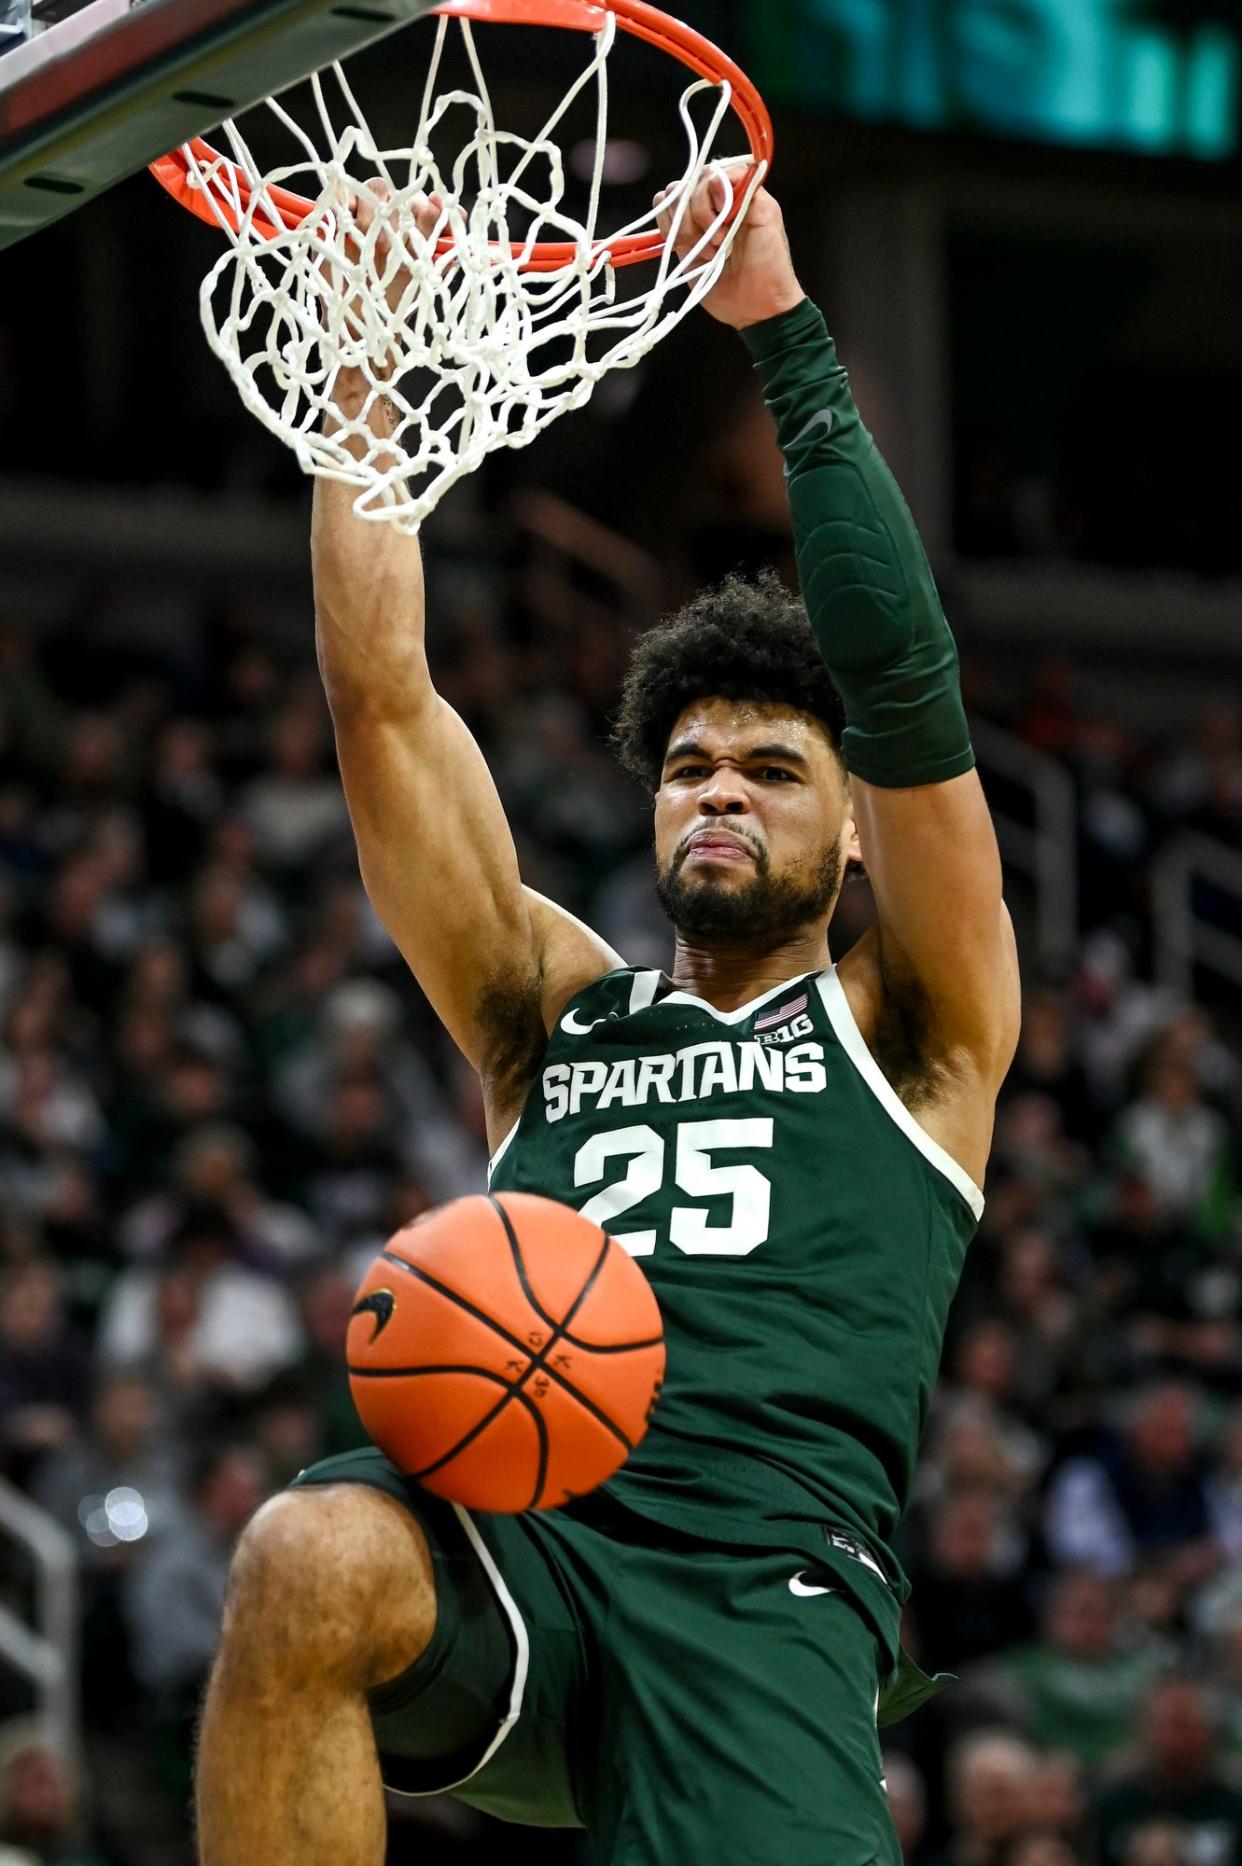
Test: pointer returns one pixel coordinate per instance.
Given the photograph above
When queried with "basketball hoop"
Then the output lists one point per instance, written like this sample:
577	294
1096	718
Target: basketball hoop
475	339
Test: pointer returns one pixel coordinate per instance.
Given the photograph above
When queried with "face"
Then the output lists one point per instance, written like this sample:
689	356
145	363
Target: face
752	821
1082	1618
992	1792
1164	1432
1176	1730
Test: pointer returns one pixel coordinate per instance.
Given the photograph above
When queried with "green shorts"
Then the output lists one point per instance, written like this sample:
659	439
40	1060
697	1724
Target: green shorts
681	1701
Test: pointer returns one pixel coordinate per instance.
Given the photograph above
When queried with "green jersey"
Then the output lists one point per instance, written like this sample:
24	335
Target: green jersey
803	1234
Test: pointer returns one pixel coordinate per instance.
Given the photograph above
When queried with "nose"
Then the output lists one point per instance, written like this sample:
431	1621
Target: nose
724	794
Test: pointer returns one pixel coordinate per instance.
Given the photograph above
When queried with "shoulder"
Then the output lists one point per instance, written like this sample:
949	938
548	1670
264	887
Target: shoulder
571	955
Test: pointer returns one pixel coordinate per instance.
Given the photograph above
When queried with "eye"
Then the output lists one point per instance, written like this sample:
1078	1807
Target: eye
690	771
777	772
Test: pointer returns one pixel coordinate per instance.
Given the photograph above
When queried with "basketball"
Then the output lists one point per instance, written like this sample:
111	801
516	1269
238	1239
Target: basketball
506	1353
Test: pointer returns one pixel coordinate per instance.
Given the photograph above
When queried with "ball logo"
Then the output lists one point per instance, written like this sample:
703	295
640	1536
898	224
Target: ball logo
380	1303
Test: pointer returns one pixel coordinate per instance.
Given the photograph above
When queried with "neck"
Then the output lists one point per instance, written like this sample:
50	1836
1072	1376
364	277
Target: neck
731	975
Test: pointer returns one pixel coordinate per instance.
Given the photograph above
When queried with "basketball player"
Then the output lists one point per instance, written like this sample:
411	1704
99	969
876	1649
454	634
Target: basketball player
688	1663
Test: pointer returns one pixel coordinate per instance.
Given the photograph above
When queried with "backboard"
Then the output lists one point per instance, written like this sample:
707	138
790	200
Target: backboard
103	88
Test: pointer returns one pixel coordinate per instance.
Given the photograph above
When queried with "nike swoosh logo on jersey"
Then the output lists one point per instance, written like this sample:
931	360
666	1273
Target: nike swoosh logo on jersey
805	1589
573	1026
825	419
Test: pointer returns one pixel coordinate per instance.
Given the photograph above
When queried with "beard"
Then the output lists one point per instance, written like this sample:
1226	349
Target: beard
767	907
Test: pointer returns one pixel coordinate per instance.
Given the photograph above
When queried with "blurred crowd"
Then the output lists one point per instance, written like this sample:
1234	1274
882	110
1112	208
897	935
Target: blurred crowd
220	1091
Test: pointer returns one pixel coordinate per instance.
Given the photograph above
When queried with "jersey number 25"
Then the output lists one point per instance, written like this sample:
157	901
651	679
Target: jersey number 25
690	1228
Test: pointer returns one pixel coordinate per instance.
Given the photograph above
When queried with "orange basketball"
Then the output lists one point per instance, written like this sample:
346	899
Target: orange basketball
506	1353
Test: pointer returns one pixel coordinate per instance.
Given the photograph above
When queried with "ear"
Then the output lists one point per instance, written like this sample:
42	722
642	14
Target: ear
849	830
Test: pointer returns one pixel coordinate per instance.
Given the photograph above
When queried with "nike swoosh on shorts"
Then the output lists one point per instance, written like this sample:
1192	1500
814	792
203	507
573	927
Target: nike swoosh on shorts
801	1587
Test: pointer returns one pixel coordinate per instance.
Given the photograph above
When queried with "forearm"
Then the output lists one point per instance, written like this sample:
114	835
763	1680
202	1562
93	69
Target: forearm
866	581
369	602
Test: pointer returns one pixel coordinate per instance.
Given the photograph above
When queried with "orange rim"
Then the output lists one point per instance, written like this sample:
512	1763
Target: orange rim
173	171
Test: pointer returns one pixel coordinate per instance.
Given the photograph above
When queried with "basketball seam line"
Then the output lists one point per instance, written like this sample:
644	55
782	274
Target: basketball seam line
514	1341
477	1430
587	1347
519	1264
409	1373
538	1362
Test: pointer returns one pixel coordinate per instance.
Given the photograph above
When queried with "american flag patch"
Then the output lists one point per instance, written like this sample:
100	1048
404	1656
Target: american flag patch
792	1009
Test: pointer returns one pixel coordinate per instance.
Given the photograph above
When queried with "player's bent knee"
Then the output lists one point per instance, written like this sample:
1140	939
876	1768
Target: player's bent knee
331	1582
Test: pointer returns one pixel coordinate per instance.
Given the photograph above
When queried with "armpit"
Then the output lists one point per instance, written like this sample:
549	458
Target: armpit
509	1013
903	1042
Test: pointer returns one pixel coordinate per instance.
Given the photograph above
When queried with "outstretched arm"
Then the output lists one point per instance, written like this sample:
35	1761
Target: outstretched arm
497	962
945	941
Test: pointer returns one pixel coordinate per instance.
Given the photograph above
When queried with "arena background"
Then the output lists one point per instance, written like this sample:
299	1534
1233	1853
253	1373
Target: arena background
219	1089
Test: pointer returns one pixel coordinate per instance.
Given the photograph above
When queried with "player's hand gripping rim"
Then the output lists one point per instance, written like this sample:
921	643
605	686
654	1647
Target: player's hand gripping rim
758	281
386	262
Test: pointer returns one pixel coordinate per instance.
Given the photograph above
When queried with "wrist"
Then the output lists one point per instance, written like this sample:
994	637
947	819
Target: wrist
767	337
781	306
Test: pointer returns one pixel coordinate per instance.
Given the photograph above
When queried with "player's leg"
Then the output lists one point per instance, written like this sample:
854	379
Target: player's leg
376	1635
331	1595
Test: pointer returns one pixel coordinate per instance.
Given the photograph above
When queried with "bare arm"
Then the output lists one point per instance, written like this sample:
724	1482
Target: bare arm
497	962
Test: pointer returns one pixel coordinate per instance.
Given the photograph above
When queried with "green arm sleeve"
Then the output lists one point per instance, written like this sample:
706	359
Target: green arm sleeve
866	581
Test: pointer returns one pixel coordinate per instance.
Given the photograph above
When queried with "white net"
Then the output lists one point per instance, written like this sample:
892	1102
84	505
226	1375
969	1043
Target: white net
472	350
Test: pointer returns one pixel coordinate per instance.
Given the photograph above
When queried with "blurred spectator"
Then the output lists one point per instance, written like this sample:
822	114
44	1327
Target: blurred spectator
288	1426
1223	1665
1078	1685
1060	1360
358	1039
44	1368
1174	1783
128	1448
907	1801
1179	1148
1118	1014
296	807
1062	1795
202	1318
1047	1062
325	1301
356	1160
970	1447
1040	1849
173	1089
175	1599
1031	1143
991	1787
1142	1493
1155	1845
216	1164
235	929
40	1801
184	797
969	1592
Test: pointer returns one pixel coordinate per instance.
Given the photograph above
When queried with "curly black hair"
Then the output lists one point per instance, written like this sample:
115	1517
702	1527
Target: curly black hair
739	640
